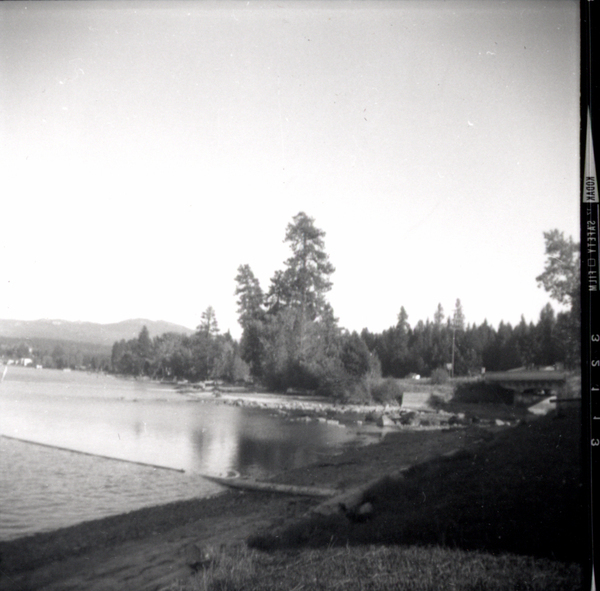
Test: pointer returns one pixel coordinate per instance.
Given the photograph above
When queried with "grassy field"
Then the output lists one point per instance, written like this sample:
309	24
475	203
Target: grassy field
508	515
379	568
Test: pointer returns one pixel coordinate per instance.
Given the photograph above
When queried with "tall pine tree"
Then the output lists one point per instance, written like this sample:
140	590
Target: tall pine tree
251	318
303	284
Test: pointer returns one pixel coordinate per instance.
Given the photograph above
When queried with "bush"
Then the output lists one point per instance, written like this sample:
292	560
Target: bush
344	388
439	376
355	356
386	392
374	366
357	392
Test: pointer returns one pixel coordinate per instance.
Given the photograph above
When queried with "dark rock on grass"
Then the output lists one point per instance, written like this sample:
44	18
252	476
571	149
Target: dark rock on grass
360	514
198	557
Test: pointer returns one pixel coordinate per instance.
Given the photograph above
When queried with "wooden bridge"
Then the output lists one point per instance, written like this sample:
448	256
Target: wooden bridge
530	381
531	385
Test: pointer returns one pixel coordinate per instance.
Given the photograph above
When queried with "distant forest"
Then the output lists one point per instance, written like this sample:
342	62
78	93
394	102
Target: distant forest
291	337
55	353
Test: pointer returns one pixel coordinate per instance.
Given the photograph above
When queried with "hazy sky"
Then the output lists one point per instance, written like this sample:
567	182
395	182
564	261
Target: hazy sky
147	149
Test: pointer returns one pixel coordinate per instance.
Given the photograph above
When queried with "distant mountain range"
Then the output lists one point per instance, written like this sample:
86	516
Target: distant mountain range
86	332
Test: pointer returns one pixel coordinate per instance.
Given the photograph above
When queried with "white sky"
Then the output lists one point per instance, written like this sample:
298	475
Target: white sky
147	149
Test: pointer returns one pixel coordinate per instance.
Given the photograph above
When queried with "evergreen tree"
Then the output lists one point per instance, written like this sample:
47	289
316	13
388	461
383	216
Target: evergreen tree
307	274
458	326
205	346
299	336
250	296
299	291
458	317
546	352
208	324
144	351
525	343
438	317
470	352
419	346
402	324
400	362
251	317
355	355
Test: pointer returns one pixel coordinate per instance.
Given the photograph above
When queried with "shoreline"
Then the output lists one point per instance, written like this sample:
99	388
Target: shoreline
349	420
125	548
426	408
371	432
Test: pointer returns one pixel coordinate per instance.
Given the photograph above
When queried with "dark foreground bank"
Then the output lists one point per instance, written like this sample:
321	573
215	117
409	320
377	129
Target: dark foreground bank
511	490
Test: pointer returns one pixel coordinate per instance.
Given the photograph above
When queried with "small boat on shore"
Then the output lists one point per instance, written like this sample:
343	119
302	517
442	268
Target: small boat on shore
257	485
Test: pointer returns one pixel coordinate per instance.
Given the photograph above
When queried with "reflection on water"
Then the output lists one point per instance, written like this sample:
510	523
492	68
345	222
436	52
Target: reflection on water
132	420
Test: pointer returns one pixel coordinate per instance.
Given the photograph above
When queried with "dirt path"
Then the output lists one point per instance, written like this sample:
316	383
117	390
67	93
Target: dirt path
148	549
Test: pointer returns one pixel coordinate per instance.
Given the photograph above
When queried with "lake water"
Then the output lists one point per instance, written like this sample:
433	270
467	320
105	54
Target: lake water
43	488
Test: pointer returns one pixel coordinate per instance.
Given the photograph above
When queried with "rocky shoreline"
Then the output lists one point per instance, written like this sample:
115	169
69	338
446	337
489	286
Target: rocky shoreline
425	413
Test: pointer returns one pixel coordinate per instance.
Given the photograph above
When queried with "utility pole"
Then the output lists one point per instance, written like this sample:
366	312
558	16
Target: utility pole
453	338
458	320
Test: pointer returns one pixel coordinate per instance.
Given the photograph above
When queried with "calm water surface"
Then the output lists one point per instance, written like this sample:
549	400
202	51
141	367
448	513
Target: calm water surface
43	488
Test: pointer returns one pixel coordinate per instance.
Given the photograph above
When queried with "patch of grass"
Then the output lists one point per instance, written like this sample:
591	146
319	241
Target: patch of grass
377	568
521	493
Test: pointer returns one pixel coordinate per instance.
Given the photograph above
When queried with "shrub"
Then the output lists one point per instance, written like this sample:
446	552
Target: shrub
344	388
357	392
333	385
374	366
436	402
354	355
386	391
331	377
439	376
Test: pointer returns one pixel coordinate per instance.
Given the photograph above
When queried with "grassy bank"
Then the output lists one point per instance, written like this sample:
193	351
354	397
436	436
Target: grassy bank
520	492
506	515
381	568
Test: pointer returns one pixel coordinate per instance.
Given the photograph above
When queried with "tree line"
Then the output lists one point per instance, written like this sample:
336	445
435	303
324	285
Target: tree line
205	355
55	354
291	338
472	349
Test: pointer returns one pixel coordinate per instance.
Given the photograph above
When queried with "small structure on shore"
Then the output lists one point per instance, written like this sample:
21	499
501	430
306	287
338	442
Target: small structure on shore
529	386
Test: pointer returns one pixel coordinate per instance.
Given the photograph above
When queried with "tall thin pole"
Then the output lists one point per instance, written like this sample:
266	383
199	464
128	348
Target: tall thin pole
453	336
